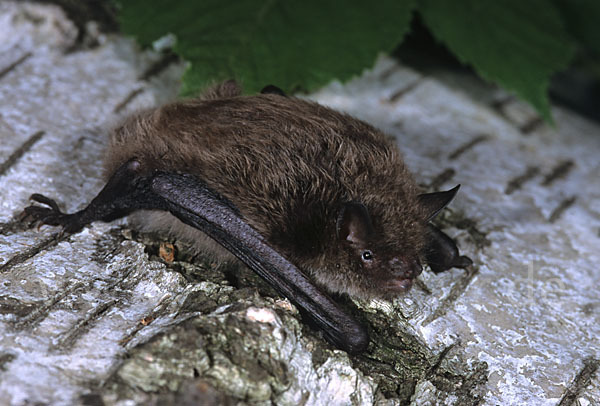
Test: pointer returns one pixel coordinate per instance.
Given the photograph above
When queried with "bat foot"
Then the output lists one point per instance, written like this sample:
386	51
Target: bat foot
35	215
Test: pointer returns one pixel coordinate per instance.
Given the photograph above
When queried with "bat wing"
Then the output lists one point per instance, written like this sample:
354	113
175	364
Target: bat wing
190	200
441	252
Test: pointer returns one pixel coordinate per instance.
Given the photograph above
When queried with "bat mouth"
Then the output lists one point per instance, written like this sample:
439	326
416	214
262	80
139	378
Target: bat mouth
398	286
406	268
402	276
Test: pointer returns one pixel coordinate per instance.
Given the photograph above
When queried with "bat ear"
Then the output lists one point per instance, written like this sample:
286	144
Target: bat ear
433	203
354	223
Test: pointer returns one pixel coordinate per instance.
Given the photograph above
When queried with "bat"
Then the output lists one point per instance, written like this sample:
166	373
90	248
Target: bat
314	201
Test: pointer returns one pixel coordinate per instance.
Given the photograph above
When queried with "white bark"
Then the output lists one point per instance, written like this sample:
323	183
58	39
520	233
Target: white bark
71	309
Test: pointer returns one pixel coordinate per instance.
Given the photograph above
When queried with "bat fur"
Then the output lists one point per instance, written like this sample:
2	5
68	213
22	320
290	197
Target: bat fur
288	165
292	188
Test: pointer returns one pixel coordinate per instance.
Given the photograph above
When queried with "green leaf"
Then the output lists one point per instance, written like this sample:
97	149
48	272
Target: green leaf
296	45
515	43
582	18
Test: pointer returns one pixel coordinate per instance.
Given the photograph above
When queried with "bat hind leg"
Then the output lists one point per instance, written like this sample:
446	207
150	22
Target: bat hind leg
124	192
194	203
441	252
50	215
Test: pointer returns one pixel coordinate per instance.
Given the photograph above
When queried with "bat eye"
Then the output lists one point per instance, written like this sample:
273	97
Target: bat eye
367	255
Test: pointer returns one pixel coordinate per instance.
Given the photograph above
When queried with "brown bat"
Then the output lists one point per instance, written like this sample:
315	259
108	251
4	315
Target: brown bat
311	199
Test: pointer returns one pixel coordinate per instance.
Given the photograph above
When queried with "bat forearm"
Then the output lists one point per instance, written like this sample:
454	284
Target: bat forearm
195	204
441	251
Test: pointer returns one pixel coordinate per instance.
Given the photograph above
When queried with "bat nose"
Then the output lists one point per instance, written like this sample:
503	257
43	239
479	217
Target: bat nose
407	268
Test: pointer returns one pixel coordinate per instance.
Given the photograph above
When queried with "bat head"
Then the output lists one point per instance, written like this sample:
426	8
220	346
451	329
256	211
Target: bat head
376	268
379	265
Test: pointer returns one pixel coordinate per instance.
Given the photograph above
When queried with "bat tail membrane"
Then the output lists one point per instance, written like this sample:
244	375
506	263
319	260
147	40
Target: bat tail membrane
190	200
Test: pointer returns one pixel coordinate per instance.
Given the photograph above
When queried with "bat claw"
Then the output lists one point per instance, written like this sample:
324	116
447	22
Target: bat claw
37	216
36	197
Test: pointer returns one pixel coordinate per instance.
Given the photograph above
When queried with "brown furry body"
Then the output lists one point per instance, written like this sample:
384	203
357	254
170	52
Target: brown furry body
287	165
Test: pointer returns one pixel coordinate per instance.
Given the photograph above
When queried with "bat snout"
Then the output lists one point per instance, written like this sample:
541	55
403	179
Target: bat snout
403	272
406	268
